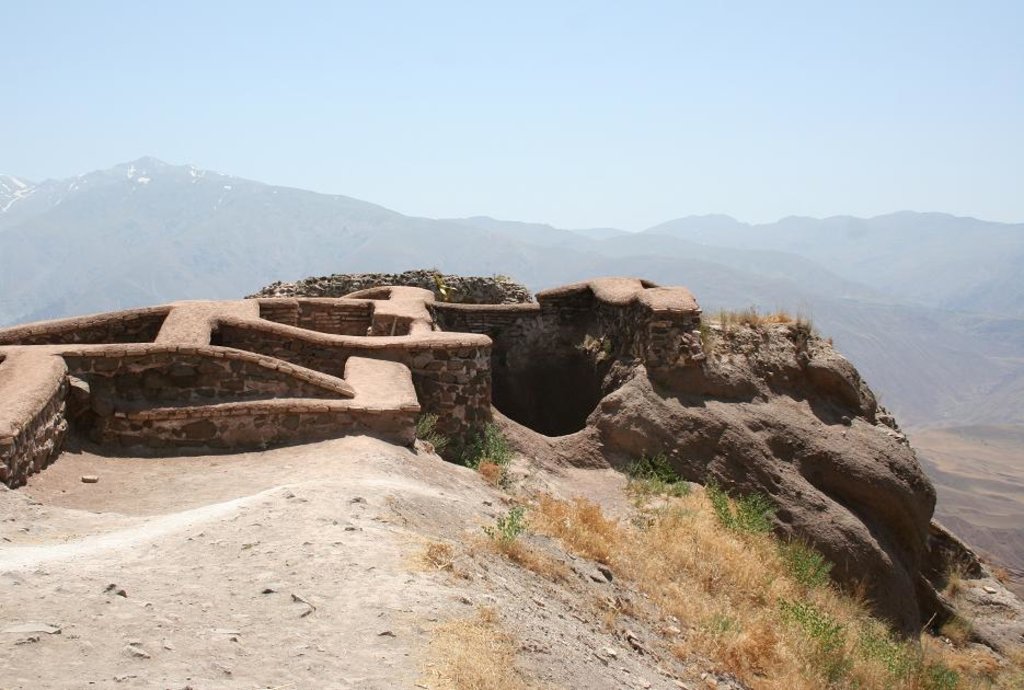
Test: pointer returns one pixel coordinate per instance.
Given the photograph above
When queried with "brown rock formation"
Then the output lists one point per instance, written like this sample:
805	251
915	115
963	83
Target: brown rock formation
596	373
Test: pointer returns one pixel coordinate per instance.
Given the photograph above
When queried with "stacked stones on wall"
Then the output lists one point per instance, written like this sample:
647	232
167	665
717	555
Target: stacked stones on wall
553	360
446	288
33	429
237	375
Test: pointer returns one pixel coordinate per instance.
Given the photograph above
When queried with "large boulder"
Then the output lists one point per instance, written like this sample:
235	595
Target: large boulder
774	409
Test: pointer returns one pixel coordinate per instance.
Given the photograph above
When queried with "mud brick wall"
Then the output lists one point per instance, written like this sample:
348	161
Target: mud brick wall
322	315
172	377
30	443
251	426
452	377
134	326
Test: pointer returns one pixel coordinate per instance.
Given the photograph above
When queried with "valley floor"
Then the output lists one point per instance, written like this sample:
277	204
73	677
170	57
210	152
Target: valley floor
978	473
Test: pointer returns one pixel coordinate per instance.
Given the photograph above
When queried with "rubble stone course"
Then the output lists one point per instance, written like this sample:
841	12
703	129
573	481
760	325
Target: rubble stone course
243	375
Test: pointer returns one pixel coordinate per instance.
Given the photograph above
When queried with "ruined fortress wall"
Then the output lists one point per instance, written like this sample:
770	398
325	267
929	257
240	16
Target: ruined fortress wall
132	326
322	315
661	338
252	425
203	375
33	429
462	289
451	375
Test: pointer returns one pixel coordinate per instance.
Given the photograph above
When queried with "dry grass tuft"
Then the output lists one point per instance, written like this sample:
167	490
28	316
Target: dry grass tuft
1002	574
754	606
475	654
958	630
579	525
954	582
534	560
492	472
752	317
439	556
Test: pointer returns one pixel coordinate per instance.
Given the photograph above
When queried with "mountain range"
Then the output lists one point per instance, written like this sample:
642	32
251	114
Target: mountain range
929	306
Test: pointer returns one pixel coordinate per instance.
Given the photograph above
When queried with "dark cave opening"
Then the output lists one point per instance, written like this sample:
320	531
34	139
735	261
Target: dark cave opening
551	393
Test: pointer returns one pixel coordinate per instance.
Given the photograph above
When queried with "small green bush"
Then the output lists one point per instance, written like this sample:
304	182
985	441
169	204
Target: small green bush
752	513
653	474
488	444
826	634
508	527
807	566
939	677
426	430
899	658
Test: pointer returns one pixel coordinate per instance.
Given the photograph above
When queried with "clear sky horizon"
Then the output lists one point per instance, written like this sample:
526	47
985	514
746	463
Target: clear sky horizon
575	114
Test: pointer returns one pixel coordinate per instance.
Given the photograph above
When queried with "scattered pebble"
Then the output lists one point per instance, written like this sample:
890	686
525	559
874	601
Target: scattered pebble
90	478
136	651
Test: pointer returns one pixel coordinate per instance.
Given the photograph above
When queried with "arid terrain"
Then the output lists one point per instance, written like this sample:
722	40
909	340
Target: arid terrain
977	473
299	567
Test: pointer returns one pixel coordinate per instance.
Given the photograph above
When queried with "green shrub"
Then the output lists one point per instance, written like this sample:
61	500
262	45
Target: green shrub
508	527
752	513
426	430
899	659
939	677
807	566
826	634
654	475
489	444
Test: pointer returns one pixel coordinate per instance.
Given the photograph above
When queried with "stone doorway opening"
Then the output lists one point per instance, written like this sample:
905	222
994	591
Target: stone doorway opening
551	393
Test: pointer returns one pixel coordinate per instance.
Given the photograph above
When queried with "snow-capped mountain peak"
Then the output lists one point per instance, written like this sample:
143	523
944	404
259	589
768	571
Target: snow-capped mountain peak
12	190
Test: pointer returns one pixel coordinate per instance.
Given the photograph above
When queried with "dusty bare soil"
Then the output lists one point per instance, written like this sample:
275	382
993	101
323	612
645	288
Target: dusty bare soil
298	567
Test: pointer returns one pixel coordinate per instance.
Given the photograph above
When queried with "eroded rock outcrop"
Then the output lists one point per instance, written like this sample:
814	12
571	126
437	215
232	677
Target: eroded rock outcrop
790	418
768	408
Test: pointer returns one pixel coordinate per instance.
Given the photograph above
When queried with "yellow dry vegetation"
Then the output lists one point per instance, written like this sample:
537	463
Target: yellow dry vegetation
475	654
745	606
752	317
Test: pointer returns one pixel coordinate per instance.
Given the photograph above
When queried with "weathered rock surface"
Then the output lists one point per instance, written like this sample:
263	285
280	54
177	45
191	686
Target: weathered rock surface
451	288
774	409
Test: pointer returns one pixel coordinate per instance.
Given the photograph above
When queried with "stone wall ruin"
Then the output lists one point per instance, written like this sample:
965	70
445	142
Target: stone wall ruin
199	376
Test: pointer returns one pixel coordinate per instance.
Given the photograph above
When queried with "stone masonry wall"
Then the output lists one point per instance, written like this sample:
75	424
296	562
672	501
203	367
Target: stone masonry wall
451	375
661	339
252	425
133	326
323	316
461	289
29	444
170	377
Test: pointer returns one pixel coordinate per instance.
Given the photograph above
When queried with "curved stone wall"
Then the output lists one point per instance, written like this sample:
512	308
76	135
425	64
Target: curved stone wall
33	424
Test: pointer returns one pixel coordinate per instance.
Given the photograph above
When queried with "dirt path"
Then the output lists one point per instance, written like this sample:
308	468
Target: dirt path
209	553
294	568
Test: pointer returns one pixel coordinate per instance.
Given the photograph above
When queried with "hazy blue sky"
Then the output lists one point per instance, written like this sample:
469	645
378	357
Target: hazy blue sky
579	114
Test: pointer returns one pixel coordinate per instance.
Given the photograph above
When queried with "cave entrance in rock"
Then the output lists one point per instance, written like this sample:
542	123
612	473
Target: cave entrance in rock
551	393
